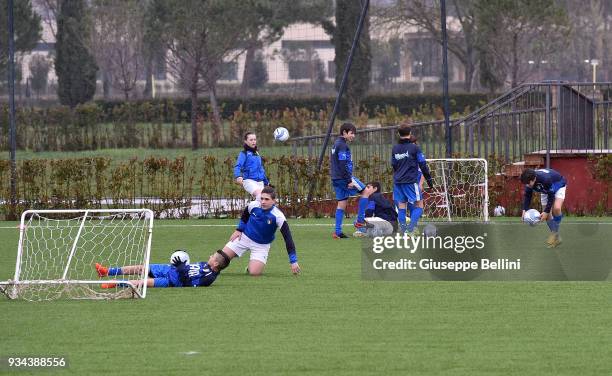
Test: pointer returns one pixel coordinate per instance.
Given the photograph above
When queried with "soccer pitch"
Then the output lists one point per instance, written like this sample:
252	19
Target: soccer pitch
326	321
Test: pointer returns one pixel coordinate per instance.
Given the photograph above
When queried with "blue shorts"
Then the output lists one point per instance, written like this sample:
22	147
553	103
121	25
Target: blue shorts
343	191
163	275
407	192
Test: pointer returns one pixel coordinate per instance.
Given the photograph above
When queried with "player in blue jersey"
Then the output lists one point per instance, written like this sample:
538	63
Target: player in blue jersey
256	229
177	274
551	186
408	163
343	181
381	216
249	170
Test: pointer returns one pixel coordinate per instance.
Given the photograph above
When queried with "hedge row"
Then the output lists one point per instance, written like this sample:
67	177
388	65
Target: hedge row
167	186
161	184
164	125
170	187
406	103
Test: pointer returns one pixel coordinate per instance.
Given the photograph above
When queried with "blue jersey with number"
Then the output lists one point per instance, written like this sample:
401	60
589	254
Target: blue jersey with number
199	274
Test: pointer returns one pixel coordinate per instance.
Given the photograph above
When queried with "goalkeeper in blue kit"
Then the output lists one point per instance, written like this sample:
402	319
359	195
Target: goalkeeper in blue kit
177	274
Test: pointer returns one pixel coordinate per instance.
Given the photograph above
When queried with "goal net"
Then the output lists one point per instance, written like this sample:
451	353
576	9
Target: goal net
58	250
460	190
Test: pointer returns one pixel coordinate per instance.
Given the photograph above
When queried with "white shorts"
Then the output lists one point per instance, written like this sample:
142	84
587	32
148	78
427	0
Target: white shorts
559	194
259	252
252	185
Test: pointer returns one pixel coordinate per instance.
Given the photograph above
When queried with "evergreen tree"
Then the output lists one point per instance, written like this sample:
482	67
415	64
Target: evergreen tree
342	34
75	66
27	30
39	70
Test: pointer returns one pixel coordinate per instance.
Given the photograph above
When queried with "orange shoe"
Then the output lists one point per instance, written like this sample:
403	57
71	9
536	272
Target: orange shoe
339	236
108	285
102	271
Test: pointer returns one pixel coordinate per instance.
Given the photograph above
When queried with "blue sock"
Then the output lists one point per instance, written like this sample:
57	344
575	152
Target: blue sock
401	218
114	271
551	225
339	217
415	214
557	220
363	204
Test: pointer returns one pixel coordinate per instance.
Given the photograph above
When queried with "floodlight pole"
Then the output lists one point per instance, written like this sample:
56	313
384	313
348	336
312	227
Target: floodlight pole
449	143
347	68
11	87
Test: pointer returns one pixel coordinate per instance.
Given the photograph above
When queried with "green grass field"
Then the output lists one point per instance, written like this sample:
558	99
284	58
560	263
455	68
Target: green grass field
328	321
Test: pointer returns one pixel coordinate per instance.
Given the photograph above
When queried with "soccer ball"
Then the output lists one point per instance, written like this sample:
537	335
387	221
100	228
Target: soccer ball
182	255
281	134
532	217
499	211
430	230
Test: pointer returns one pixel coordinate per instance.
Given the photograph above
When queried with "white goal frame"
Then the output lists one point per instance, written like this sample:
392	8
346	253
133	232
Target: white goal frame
10	287
484	210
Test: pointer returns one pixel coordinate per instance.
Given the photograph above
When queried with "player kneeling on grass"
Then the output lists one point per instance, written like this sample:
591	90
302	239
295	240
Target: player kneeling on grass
255	233
551	186
381	217
177	274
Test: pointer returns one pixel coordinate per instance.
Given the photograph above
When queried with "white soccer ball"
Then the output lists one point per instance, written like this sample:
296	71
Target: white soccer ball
430	230
281	134
182	255
532	217
499	211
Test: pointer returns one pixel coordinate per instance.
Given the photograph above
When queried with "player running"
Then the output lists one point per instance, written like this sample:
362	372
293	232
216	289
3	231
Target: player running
177	274
249	170
406	160
551	186
343	181
256	230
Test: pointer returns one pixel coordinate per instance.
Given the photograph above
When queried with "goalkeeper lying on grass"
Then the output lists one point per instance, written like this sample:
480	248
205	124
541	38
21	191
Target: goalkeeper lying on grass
177	274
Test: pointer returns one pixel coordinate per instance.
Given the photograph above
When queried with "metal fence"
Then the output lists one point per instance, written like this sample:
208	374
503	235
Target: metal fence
536	117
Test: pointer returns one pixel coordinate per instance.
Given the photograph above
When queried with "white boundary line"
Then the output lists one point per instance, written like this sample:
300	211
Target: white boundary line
293	224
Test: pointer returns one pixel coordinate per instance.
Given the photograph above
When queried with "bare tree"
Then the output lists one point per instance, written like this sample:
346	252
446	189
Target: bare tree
270	17
425	15
200	37
513	34
39	69
590	35
49	10
118	39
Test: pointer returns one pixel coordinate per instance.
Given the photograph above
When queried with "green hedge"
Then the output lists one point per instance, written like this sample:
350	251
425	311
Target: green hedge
166	185
406	103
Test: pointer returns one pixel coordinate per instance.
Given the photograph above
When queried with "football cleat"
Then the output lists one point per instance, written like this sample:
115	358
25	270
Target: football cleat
102	271
339	236
363	224
359	234
553	240
108	285
411	234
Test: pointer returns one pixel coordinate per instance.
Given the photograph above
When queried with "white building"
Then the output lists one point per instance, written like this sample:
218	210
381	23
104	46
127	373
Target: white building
305	55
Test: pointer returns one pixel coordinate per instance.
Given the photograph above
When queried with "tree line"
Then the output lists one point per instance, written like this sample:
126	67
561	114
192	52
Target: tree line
498	43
